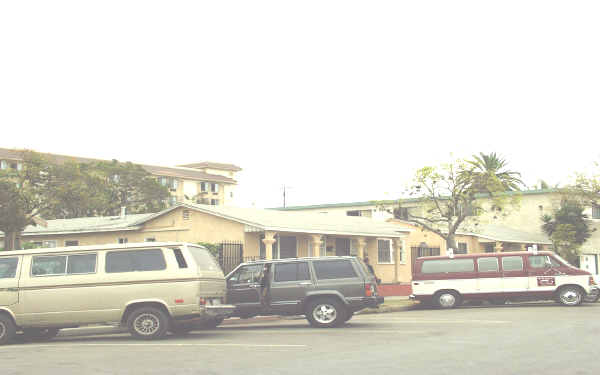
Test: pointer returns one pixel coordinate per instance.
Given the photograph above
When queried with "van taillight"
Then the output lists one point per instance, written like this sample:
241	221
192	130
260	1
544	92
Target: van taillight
369	290
592	281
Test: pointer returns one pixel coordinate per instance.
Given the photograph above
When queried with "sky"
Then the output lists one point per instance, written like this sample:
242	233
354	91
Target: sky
340	101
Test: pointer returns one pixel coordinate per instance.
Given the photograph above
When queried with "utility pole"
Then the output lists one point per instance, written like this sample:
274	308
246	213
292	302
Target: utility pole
284	192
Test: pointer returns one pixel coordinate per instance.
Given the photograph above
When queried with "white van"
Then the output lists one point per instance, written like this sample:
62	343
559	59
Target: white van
150	288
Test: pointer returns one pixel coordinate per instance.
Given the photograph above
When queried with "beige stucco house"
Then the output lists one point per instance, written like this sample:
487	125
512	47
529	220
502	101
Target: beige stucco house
263	234
206	182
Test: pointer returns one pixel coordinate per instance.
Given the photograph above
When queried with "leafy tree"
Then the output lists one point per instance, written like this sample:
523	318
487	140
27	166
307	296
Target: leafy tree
24	194
449	194
567	228
489	174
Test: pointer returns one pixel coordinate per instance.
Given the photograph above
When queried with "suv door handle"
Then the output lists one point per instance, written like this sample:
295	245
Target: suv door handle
305	283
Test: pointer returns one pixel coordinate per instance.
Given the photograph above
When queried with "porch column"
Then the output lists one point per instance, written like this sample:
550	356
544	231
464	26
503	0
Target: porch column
523	247
269	240
315	241
398	243
498	247
361	242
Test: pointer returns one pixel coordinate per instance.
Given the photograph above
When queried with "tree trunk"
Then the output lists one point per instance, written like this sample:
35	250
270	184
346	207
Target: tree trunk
10	239
451	242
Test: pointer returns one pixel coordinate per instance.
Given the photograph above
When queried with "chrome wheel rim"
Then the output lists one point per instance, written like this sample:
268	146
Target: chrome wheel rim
2	330
570	297
146	324
324	313
447	300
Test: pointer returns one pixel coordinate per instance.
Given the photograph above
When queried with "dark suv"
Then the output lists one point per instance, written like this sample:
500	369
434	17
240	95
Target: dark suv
326	290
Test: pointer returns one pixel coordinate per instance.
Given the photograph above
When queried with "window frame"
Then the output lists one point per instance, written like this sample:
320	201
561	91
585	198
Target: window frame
488	271
276	265
318	261
448	261
513	256
16	274
391	251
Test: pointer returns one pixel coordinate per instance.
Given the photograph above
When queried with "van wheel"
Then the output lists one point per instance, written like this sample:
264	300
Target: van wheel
447	299
40	333
570	296
148	323
8	330
325	313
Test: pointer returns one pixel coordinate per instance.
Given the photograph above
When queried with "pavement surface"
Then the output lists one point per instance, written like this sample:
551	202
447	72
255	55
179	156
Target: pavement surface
542	338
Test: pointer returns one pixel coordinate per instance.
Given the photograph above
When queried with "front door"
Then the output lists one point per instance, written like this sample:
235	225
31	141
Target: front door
515	280
243	289
287	247
291	282
543	271
9	280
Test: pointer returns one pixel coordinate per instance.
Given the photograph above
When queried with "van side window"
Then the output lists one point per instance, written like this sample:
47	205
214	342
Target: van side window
179	257
512	263
448	266
49	265
63	264
8	267
82	263
135	260
487	264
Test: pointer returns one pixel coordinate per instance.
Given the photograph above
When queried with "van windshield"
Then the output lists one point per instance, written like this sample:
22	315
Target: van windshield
204	260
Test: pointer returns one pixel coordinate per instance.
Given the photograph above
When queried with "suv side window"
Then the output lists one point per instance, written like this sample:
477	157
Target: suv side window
334	269
247	275
297	271
135	260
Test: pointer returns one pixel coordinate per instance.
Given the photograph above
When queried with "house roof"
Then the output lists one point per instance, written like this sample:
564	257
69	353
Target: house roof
212	165
181	172
388	202
258	219
86	225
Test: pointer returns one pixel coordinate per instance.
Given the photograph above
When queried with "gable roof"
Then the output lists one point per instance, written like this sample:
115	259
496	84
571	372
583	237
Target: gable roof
210	164
181	172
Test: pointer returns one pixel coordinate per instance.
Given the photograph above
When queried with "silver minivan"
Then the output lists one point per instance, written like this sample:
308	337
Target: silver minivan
150	288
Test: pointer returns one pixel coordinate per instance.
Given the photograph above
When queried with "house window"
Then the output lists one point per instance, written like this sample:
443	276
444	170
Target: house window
123	240
72	243
214	202
150	239
3	164
402	213
172	201
595	212
169	182
353	213
489	247
49	244
385	251
203	187
214	188
462	248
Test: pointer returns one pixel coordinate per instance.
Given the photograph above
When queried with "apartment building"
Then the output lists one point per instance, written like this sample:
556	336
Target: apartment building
204	183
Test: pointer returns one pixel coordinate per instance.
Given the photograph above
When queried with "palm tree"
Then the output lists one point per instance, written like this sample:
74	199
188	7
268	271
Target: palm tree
489	173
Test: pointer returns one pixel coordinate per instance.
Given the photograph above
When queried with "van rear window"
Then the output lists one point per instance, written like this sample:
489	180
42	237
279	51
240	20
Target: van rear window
204	260
447	266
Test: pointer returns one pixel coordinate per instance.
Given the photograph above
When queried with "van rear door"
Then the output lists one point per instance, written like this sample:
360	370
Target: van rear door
9	280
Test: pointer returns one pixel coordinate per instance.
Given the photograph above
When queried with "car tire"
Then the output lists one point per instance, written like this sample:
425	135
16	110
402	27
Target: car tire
8	329
570	296
326	313
592	297
148	323
40	334
446	299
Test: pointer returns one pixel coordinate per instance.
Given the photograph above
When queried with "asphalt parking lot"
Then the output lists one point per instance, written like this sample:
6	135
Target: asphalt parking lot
512	339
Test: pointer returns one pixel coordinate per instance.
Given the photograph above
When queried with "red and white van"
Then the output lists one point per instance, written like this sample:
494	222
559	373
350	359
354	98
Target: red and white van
446	281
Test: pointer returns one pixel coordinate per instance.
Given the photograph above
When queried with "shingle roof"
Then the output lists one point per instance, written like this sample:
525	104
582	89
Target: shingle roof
502	233
87	224
186	173
210	164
